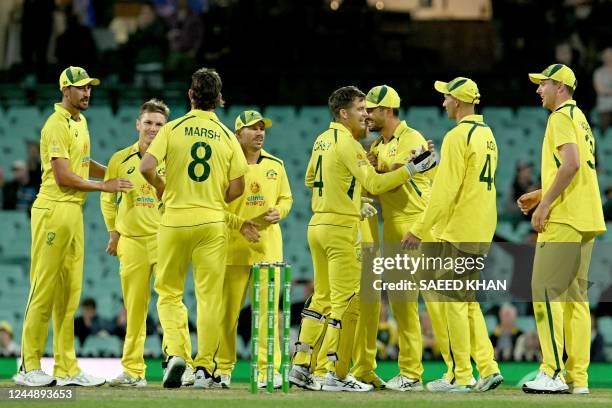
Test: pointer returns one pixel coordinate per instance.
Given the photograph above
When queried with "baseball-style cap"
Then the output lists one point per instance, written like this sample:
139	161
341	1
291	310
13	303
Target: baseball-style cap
76	76
461	88
382	95
558	72
247	118
6	326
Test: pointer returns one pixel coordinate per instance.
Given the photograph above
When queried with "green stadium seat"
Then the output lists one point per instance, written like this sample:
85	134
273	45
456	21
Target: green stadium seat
153	346
101	346
315	115
526	323
285	115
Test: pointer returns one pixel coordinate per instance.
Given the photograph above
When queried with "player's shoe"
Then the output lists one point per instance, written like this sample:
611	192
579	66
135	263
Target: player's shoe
576	390
126	380
174	367
222	381
80	380
34	378
402	383
543	384
188	377
443	385
350	384
203	379
372	379
488	383
303	378
278	382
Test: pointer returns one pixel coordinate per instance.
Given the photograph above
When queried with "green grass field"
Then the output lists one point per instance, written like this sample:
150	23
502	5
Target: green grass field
238	396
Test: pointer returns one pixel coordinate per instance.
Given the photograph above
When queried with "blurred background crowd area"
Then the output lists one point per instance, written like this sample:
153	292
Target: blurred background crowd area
284	58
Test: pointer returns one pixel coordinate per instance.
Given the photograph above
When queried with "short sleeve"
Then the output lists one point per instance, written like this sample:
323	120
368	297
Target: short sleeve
159	146
562	129
238	164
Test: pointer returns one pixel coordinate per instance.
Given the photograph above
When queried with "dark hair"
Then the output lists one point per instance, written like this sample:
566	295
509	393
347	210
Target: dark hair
343	98
206	88
396	112
88	302
154	106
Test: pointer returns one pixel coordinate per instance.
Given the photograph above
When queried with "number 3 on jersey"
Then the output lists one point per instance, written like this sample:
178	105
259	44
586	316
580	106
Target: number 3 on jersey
199	160
319	171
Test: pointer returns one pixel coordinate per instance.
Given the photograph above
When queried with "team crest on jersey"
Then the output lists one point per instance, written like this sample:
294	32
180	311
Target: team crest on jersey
392	152
255	187
50	238
161	171
360	156
131	170
271	174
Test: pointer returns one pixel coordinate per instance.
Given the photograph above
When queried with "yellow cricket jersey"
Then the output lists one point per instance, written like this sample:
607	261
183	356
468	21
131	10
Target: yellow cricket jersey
202	156
62	137
462	204
266	186
411	198
580	203
135	213
337	170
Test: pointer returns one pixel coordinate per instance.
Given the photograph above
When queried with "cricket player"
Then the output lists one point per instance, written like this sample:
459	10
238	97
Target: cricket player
56	273
132	220
337	170
464	181
205	170
267	200
568	216
401	208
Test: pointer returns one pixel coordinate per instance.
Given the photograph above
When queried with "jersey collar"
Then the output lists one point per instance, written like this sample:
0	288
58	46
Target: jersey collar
401	128
339	126
62	111
564	104
204	114
472	118
263	155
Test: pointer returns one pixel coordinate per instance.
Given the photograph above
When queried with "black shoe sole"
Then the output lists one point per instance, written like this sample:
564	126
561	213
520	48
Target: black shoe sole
175	374
532	391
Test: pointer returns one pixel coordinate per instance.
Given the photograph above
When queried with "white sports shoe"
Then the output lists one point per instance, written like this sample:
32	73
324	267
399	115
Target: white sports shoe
402	383
188	377
81	380
222	381
576	390
174	367
443	385
303	378
543	384
203	379
126	380
278	382
333	383
34	378
488	383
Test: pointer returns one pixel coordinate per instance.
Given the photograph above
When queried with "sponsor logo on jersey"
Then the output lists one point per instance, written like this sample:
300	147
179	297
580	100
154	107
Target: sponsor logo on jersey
131	170
50	238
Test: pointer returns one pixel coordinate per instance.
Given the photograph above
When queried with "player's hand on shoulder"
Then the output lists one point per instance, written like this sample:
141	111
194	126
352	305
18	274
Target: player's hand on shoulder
249	231
117	185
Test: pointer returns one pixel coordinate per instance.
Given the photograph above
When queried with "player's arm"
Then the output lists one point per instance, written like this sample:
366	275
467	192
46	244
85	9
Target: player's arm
354	158
248	228
64	177
148	168
284	201
448	181
565	140
309	178
96	169
109	209
235	189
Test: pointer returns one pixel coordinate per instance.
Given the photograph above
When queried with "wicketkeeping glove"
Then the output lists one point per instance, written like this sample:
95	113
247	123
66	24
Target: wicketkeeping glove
422	162
367	209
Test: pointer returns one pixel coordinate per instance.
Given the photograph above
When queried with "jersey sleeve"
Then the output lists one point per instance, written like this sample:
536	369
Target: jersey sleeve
285	199
353	156
448	181
107	200
233	221
238	164
309	178
562	129
159	146
58	140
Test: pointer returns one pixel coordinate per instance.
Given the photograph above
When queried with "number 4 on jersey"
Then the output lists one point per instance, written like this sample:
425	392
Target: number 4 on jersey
319	182
485	174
